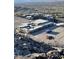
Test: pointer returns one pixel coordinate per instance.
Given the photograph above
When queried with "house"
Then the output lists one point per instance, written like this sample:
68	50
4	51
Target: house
35	26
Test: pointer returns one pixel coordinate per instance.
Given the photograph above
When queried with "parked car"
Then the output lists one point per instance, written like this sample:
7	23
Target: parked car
48	31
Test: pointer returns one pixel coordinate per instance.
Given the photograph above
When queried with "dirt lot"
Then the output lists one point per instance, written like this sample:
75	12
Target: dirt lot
58	41
19	20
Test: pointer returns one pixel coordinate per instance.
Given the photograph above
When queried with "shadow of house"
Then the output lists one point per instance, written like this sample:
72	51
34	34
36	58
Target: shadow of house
54	33
41	30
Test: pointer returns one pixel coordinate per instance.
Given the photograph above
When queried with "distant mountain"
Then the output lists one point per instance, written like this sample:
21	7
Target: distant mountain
42	3
23	1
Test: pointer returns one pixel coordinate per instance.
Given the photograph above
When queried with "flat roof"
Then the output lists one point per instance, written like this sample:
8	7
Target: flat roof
40	21
23	24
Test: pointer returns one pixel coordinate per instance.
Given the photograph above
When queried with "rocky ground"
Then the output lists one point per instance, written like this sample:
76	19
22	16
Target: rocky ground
27	48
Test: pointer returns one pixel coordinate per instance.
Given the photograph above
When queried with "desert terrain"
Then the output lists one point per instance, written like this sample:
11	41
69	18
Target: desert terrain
38	45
